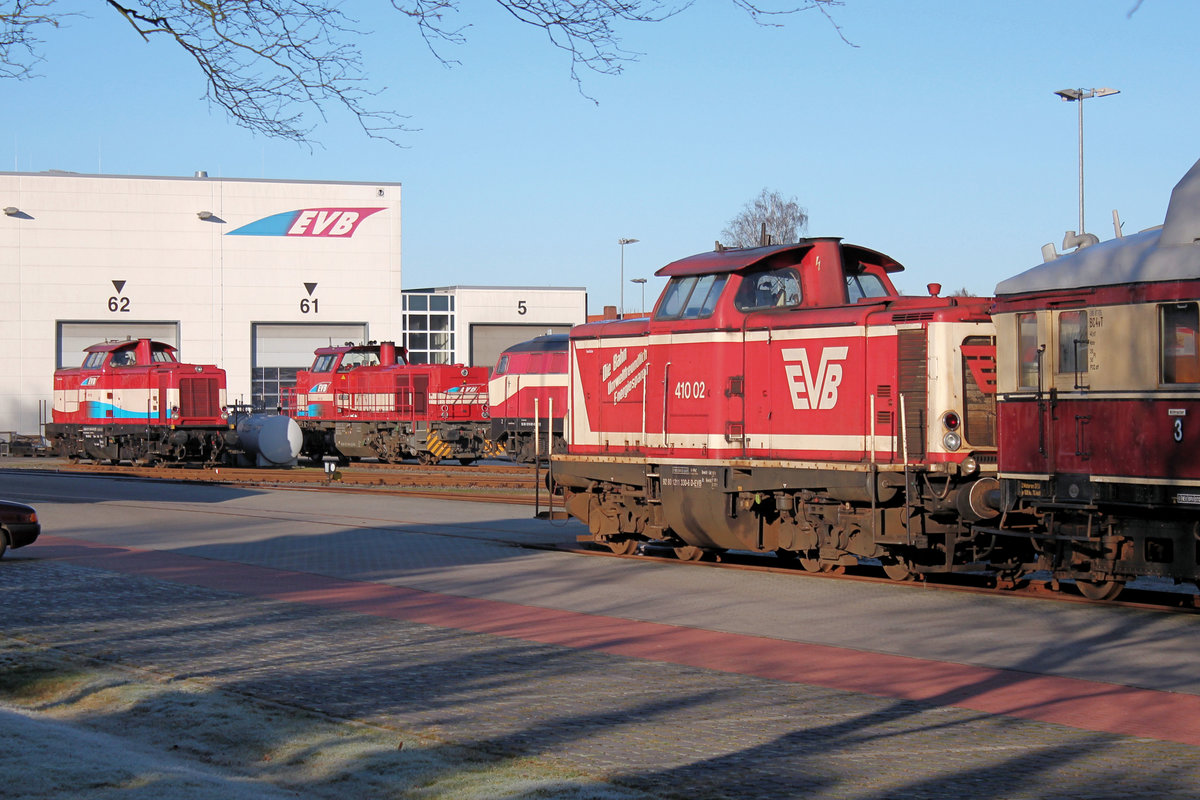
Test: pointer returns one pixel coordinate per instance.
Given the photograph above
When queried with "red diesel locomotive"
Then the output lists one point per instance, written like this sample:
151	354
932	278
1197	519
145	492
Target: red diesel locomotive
1099	405
134	401
787	399
367	401
528	395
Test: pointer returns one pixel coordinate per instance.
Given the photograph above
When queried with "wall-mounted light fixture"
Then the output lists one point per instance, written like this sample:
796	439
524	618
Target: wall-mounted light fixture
204	214
11	211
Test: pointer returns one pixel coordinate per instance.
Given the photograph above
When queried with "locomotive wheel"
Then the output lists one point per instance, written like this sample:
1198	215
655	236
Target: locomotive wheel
427	459
809	564
623	547
898	569
1099	590
816	565
689	553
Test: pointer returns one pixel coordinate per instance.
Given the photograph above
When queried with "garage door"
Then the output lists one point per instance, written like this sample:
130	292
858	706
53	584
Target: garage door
281	350
489	341
73	337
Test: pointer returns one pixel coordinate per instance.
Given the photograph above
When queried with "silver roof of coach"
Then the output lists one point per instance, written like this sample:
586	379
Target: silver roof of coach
1170	252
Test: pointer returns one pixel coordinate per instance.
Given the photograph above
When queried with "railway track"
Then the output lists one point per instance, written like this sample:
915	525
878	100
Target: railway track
482	482
519	484
1134	596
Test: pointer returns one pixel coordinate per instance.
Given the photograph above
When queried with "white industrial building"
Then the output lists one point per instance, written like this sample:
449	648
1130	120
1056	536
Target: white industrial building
251	275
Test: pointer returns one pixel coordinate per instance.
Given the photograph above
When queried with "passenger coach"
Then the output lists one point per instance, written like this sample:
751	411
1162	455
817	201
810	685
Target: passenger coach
1099	381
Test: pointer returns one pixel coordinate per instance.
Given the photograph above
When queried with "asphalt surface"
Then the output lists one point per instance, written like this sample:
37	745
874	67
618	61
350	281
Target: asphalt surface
666	680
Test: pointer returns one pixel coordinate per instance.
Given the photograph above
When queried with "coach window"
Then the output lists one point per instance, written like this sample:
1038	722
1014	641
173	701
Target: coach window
1072	342
778	288
1027	346
1180	326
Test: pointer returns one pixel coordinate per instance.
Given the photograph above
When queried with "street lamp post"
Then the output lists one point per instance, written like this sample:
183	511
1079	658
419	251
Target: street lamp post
641	282
1078	96
621	308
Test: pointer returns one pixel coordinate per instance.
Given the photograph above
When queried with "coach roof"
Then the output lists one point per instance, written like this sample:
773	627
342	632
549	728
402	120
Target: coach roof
1170	252
736	259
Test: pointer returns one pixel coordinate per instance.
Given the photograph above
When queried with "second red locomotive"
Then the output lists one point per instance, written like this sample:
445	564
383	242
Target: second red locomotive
366	401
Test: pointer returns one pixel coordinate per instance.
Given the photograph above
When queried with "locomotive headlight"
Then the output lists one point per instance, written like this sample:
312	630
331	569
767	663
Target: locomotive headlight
969	466
952	441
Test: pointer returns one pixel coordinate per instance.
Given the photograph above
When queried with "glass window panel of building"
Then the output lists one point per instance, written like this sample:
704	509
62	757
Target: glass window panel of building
429	327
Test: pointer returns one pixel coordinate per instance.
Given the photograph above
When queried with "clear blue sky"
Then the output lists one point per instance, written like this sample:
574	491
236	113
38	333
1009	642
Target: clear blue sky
937	139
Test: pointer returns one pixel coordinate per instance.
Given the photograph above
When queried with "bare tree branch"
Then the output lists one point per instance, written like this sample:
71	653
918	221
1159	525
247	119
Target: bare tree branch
20	23
784	221
268	62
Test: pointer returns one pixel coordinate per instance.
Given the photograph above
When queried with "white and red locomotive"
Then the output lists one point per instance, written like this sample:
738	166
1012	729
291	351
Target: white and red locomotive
1099	405
366	401
134	401
528	395
787	399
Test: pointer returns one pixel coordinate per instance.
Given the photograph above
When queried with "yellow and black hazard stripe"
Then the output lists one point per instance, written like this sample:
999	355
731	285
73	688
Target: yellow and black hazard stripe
435	445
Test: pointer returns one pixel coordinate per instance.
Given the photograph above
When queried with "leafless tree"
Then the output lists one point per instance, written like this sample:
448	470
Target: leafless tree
782	221
268	62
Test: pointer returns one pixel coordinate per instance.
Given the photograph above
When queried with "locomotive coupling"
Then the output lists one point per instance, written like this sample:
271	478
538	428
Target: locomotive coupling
978	500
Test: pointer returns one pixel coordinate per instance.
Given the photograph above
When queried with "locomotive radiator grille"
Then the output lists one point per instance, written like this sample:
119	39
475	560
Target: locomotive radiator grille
913	388
198	397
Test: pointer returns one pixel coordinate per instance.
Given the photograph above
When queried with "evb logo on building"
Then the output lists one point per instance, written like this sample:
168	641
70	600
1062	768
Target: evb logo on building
336	223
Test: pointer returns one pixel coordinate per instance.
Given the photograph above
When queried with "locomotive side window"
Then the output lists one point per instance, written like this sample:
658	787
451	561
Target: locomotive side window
1072	342
163	357
864	285
778	288
1179	327
1027	346
502	367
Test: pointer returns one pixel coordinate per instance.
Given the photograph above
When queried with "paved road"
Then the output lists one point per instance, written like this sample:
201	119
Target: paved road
677	681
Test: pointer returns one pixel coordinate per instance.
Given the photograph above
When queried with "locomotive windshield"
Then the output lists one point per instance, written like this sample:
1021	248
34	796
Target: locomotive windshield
691	297
324	363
